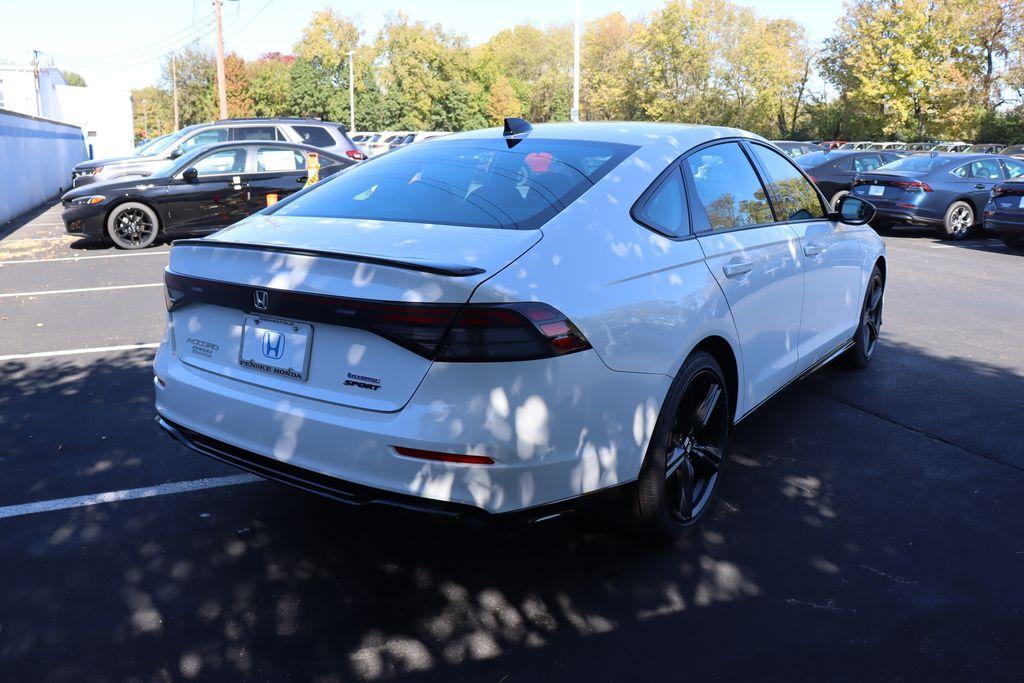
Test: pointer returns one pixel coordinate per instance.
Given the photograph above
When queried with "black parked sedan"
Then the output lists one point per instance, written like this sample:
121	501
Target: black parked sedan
198	193
1004	213
833	171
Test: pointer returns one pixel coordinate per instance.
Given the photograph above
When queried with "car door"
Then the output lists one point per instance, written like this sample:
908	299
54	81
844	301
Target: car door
755	260
215	199
279	172
831	259
984	175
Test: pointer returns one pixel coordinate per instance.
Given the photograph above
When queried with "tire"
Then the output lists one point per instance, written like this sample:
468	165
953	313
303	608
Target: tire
865	339
1013	241
958	221
836	197
132	225
681	471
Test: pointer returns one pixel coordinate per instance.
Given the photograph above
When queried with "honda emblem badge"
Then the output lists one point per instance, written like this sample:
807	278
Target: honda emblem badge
261	299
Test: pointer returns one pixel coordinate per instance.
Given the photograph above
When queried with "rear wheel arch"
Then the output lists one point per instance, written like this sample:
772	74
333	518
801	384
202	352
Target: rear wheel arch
880	264
721	350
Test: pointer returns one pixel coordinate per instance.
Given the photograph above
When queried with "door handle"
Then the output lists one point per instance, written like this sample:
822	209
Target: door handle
979	186
737	268
813	249
302	179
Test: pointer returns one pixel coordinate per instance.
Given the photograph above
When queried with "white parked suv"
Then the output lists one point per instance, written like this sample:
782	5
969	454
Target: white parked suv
504	322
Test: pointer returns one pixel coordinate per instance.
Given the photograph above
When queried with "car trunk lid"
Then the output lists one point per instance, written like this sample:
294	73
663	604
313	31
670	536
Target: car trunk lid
354	310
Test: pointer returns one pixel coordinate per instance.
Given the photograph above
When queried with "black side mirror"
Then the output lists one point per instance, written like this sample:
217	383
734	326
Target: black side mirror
854	211
190	174
177	152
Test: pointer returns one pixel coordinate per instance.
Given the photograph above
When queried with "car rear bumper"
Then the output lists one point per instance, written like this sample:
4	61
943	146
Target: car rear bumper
1005	227
557	429
894	215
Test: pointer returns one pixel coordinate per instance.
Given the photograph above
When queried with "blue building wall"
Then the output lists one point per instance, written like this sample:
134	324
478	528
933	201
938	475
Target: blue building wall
36	157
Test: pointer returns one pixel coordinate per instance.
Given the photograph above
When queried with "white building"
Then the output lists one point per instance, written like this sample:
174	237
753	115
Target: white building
104	115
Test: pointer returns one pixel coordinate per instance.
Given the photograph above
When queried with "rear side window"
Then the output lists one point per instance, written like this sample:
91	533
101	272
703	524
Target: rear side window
479	183
271	159
257	133
728	188
665	210
845	165
314	135
794	195
986	169
866	163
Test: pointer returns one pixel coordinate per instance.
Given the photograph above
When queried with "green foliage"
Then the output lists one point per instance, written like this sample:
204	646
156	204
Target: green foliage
197	84
896	69
152	111
72	78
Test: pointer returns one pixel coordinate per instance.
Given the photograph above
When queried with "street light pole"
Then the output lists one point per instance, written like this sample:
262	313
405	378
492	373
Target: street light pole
575	113
351	94
174	86
222	92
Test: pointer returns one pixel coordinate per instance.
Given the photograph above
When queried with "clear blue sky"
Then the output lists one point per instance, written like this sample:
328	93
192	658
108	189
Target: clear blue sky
119	42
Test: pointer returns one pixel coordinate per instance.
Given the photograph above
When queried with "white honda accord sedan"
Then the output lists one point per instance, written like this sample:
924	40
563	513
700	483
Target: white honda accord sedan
507	321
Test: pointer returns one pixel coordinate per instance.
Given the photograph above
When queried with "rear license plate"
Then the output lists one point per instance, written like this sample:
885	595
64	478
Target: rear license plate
876	190
277	347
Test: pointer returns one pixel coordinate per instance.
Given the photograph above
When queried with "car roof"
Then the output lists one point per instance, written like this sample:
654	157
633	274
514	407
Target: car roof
268	143
681	136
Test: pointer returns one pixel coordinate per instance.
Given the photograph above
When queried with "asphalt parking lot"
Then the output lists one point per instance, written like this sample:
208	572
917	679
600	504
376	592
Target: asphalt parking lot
870	526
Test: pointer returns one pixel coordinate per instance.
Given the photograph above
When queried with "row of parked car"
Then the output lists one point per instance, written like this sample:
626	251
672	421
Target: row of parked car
205	177
375	143
954	192
795	149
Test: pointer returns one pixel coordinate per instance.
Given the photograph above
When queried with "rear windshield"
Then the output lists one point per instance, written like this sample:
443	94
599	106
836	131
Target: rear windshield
813	159
922	164
477	183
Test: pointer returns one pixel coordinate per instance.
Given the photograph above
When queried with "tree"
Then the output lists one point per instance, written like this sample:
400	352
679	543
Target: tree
608	86
72	78
239	88
313	92
197	84
269	80
152	113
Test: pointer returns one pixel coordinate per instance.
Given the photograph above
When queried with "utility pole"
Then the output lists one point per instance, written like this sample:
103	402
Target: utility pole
35	74
222	91
351	94
174	85
575	113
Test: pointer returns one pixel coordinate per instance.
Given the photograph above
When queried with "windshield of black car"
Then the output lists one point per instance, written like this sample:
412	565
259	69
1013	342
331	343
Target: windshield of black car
920	164
161	145
487	183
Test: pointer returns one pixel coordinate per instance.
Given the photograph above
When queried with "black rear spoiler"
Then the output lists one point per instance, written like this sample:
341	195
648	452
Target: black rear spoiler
451	270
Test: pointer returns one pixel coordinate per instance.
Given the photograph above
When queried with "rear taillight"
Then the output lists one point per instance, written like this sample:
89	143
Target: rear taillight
509	332
355	154
913	185
999	191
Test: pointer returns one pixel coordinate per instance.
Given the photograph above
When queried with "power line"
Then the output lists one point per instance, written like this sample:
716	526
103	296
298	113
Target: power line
149	52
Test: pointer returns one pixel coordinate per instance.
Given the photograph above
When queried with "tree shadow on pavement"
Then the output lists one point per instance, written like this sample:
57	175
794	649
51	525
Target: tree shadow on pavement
845	544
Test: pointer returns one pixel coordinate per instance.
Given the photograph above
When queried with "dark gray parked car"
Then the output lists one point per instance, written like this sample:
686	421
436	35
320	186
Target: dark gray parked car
833	172
947	191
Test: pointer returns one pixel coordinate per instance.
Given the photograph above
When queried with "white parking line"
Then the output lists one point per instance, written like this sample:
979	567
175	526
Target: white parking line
76	291
126	494
75	352
83	258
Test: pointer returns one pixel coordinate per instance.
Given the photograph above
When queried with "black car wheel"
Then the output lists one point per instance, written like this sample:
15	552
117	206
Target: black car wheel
958	221
681	472
865	339
133	225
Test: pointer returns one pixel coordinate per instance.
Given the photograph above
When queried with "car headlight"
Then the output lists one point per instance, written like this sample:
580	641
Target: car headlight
91	199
